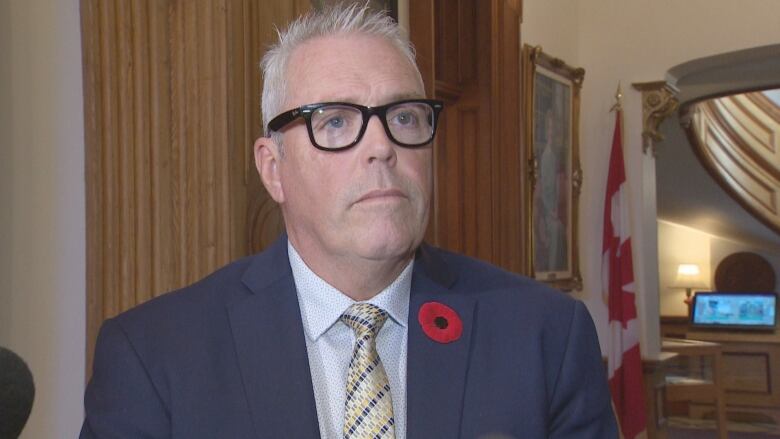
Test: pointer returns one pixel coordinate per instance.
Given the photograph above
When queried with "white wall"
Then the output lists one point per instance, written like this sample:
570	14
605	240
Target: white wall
631	41
42	254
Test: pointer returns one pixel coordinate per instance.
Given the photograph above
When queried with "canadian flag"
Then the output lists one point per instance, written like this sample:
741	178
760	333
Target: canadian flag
624	362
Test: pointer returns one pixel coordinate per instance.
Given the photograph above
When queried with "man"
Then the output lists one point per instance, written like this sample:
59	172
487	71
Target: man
348	326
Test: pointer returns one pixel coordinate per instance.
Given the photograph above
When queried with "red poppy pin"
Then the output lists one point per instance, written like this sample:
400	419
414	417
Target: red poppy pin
440	322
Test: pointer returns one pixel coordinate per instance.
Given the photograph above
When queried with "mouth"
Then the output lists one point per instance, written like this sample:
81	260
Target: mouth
381	195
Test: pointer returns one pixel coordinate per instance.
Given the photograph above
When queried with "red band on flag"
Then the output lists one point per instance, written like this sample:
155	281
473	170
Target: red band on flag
633	420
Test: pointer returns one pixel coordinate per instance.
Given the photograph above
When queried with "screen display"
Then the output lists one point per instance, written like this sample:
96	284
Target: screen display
743	310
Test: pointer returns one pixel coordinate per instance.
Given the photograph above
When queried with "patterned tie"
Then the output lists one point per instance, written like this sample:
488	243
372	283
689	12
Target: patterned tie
369	407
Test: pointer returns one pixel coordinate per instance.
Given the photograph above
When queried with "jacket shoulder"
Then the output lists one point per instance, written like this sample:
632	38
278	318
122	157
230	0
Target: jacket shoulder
216	289
475	276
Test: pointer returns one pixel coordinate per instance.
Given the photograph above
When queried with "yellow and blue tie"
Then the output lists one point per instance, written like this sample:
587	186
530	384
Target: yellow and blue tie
369	406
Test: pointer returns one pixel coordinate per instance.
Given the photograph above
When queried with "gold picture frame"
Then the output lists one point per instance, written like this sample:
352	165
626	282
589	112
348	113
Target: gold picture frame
551	106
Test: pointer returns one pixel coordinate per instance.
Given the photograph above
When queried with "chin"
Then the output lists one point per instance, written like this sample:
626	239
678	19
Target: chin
384	245
382	250
388	236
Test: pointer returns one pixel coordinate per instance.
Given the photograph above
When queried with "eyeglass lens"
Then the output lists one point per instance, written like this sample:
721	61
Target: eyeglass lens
336	126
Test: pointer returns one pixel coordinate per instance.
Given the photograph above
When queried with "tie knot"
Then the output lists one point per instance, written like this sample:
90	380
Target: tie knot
364	318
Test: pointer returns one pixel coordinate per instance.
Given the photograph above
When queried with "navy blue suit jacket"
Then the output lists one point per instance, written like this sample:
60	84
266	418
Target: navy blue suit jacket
226	358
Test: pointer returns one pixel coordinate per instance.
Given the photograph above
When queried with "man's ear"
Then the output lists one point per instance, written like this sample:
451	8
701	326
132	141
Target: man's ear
267	161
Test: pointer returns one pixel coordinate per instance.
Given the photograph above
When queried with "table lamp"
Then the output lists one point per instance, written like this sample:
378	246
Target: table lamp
689	277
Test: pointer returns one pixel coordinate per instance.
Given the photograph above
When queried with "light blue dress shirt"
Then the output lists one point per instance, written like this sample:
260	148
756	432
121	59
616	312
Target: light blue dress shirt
329	343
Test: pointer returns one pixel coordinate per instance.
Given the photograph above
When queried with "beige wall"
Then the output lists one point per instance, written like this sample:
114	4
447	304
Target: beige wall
634	41
42	258
554	25
6	180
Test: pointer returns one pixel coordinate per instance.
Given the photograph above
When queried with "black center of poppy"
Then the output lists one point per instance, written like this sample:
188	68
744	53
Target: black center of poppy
440	322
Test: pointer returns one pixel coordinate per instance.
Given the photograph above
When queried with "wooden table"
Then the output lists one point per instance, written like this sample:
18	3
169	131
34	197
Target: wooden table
696	386
750	370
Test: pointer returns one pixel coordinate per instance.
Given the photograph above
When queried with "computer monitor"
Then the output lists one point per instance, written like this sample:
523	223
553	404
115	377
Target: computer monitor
715	309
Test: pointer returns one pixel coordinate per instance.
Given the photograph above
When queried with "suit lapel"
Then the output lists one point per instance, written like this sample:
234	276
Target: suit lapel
436	372
271	349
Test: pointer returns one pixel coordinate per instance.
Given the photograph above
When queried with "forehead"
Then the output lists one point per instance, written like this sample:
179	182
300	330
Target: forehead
357	68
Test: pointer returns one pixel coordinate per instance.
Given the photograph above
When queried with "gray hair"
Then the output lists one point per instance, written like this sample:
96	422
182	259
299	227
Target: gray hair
332	20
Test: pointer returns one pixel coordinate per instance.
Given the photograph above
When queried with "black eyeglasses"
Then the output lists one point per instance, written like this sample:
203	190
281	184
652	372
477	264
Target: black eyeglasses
335	126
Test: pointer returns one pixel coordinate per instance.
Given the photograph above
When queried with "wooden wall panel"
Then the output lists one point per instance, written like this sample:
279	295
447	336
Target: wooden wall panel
462	157
172	108
421	25
479	172
200	145
510	218
162	261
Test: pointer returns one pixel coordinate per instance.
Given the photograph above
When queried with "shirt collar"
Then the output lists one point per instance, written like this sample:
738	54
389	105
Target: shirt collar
322	305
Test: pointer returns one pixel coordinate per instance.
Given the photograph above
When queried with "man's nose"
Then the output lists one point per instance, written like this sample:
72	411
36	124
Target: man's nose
376	143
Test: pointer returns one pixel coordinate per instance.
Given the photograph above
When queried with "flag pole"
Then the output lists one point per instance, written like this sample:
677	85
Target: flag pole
618	99
618	109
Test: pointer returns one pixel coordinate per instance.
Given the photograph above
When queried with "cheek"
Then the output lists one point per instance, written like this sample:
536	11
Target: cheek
325	190
420	171
303	185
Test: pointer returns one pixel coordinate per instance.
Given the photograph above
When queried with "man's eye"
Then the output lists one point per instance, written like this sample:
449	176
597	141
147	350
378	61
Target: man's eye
335	122
405	118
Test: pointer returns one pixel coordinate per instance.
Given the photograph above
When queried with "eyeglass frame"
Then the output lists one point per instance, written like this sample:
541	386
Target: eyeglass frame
306	111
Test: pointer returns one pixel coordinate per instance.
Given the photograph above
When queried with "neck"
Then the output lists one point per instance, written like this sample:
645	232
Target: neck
360	279
361	282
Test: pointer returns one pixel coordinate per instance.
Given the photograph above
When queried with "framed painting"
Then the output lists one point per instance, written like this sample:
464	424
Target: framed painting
551	94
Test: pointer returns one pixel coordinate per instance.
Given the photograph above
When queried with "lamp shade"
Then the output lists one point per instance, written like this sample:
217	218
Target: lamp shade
689	276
